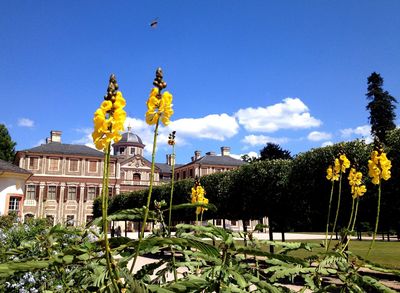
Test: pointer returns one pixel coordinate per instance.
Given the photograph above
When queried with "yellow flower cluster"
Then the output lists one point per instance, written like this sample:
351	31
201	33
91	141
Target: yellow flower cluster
198	193
109	121
355	180
379	166
159	107
340	165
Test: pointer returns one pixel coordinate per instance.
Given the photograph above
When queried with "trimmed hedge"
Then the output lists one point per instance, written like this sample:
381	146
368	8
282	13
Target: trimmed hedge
294	194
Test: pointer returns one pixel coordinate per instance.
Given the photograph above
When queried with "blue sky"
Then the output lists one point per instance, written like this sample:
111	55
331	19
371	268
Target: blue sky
243	73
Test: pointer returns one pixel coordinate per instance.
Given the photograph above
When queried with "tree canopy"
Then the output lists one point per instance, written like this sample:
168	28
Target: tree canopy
273	151
381	108
7	145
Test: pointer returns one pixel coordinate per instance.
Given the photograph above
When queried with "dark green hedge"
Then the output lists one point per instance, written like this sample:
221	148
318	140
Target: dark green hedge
294	193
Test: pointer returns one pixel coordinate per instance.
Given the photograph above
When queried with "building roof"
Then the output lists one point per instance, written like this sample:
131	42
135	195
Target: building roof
130	138
217	160
165	168
65	149
9	167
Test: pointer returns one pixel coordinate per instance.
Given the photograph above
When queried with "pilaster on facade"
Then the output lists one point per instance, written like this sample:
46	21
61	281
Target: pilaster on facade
81	203
41	199
61	204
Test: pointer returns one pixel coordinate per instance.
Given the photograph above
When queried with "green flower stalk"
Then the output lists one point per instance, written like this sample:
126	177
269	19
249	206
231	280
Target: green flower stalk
108	122
334	173
171	142
159	107
378	168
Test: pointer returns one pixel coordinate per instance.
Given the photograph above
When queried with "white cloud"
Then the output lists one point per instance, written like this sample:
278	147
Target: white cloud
40	142
258	140
250	154
292	113
25	122
215	126
318	136
327	143
364	131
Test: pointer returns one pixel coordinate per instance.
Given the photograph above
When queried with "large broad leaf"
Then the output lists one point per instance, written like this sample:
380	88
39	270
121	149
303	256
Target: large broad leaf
282	257
375	284
8	269
126	215
209	206
151	243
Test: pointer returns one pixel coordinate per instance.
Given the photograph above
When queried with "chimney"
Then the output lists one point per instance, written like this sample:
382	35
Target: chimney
210	153
55	136
197	155
225	151
170	160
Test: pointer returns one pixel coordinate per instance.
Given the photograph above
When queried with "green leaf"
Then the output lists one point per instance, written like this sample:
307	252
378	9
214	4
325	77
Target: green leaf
375	284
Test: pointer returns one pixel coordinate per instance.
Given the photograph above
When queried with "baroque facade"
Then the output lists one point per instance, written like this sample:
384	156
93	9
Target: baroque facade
68	177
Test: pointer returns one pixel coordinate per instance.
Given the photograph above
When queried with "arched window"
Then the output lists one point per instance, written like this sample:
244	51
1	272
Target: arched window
28	217
136	177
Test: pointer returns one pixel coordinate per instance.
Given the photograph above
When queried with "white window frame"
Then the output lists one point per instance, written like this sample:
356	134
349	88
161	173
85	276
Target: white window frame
77	165
76	192
29	163
97	163
89	197
50	160
55	192
28	192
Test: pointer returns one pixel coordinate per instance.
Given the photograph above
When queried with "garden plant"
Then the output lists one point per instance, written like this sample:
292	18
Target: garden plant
36	257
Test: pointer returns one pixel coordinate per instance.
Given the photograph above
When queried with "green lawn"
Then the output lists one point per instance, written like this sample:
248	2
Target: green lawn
384	253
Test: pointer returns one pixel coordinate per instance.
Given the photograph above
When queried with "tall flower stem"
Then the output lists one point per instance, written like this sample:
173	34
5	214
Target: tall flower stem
170	211
172	190
351	215
146	212
337	211
329	216
112	273
353	224
376	221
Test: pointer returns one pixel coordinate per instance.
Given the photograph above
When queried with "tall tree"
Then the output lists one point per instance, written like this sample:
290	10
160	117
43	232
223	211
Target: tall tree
381	107
273	151
7	145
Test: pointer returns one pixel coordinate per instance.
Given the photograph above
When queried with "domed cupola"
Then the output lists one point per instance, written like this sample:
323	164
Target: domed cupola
129	145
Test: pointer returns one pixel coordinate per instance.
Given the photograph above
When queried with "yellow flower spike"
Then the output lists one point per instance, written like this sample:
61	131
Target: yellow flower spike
159	108
109	120
106	106
379	167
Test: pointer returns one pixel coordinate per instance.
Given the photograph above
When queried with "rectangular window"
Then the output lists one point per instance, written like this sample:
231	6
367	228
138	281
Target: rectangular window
184	175
50	219
233	223
112	169
73	165
31	192
33	163
51	192
218	222
93	166
191	173
54	164
89	218
14	204
70	220
72	193
91	193
110	191
132	151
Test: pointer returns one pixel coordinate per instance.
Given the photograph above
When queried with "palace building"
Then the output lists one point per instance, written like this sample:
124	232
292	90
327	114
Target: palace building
66	178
